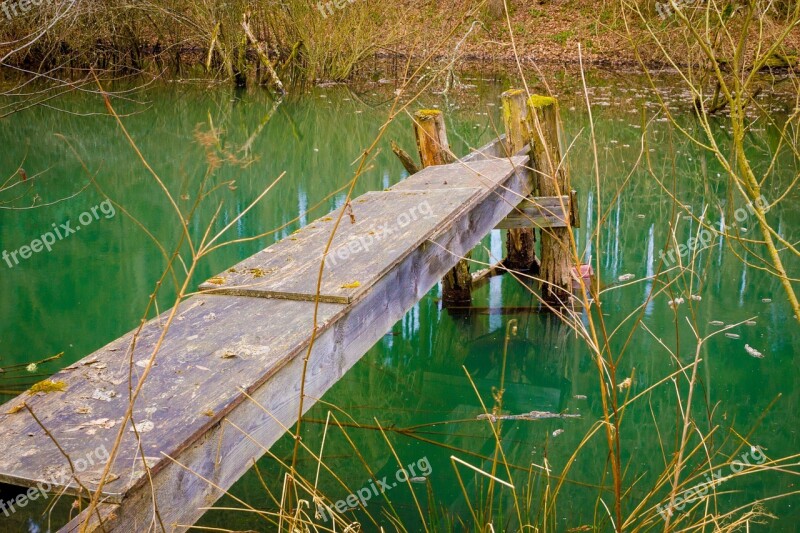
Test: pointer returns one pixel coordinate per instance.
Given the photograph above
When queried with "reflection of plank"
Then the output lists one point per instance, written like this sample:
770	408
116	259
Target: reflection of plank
519	396
539	212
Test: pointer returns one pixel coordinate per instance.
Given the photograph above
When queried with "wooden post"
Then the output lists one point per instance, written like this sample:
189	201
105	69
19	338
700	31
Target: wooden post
434	149
520	243
552	179
431	135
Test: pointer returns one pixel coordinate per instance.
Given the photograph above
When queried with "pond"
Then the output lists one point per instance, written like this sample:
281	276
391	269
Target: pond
414	400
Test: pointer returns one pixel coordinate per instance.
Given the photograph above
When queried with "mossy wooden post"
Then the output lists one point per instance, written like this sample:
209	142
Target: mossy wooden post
520	243
431	136
552	179
434	149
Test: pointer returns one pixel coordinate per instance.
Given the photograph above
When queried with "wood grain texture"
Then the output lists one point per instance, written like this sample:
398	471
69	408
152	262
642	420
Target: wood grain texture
539	212
388	225
484	174
216	345
431	134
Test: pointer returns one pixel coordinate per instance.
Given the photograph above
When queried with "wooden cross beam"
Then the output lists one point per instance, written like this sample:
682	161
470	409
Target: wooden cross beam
544	212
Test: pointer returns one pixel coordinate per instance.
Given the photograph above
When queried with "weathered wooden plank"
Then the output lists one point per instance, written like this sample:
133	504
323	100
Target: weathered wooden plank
216	345
387	226
494	149
539	212
192	410
227	448
105	512
483	174
383	228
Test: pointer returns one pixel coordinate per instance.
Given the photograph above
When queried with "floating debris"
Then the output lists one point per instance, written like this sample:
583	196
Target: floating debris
418	479
581	272
558	432
717	323
676	302
752	352
579	397
767	300
733	335
626	277
626	383
696	297
750	323
533	415
32	367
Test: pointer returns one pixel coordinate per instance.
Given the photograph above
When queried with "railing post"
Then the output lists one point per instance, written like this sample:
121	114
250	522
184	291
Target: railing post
434	149
552	179
520	243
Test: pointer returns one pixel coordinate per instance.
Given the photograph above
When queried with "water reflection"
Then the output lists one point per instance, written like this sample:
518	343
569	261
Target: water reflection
419	383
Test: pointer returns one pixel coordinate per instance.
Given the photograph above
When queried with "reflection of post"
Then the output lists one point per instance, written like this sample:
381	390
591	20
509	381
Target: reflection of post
520	243
434	149
552	179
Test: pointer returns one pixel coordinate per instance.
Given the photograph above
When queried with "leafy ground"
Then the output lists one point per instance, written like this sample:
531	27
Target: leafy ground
549	31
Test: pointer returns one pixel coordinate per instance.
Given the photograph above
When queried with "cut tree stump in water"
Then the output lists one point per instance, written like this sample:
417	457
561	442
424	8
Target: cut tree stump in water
552	179
520	242
431	134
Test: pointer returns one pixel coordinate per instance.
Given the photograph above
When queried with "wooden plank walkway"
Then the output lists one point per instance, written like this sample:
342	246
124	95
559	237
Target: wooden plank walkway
245	336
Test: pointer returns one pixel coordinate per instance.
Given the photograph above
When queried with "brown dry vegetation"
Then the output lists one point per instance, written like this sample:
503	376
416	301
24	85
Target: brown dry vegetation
170	38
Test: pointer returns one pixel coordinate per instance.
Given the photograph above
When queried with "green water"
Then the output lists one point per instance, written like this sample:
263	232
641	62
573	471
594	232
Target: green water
93	287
